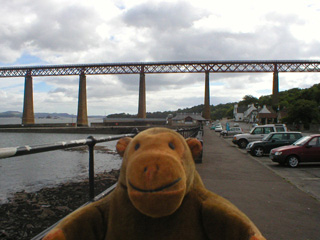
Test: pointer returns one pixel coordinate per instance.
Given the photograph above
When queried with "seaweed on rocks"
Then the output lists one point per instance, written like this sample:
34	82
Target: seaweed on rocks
28	213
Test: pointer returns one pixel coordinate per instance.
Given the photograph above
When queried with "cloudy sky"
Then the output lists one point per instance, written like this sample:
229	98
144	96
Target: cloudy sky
37	32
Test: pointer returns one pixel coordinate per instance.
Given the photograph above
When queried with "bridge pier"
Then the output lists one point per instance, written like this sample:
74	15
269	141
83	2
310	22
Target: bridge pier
275	89
82	117
206	111
28	113
142	95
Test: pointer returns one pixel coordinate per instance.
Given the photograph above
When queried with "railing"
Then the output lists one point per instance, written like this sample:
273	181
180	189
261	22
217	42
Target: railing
189	132
90	142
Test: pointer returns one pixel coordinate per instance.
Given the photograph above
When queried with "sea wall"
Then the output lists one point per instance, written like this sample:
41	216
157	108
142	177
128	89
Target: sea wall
80	130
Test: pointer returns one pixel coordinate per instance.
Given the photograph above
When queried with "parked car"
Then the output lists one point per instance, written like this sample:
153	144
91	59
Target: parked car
306	149
218	128
272	140
236	124
231	132
213	127
257	134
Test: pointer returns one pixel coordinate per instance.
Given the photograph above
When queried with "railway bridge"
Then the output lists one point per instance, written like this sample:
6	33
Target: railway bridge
143	68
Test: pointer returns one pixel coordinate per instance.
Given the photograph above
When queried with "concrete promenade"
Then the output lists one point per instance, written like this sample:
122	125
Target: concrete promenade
278	208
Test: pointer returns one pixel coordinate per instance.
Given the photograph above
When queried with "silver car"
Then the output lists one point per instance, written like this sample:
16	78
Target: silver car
232	131
218	128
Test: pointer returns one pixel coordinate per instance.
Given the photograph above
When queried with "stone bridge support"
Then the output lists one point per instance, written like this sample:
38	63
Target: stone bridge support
28	113
142	95
206	111
82	118
275	89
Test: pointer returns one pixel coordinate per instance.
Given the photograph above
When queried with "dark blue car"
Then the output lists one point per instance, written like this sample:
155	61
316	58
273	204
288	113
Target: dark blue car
272	140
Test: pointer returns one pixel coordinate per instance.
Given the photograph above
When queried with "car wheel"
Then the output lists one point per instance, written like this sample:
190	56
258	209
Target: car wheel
258	151
293	161
243	143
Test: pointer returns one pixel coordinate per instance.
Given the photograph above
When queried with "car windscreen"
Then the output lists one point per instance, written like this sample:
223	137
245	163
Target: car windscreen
280	129
266	138
257	130
302	141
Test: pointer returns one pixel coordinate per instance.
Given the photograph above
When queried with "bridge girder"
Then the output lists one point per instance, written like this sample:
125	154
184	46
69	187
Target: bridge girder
162	67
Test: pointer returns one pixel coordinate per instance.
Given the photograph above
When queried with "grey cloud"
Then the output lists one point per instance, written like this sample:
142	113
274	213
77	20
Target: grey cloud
68	29
59	90
156	82
267	42
172	36
163	16
40	26
313	49
66	81
104	87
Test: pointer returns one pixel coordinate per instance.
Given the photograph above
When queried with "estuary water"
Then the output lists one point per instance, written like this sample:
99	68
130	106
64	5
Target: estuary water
35	171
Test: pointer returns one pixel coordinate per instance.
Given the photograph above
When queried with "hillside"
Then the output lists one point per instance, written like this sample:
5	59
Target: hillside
301	105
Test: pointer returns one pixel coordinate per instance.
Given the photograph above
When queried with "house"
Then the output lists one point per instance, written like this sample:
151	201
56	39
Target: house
267	115
247	114
250	115
238	113
187	119
264	115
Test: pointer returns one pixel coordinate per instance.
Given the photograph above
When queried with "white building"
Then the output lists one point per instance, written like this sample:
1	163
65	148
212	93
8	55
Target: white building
247	114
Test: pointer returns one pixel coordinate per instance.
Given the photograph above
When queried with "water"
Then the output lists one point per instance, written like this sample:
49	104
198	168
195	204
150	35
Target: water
35	171
47	120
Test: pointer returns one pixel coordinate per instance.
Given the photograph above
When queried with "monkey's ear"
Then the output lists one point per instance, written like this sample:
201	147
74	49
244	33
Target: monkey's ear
122	145
195	146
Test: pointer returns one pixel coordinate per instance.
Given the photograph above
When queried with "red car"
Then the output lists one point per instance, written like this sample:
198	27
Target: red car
306	149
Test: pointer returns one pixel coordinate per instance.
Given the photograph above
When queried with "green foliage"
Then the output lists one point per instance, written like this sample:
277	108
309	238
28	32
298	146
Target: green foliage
195	109
121	115
288	97
304	111
303	105
265	100
221	111
159	114
247	100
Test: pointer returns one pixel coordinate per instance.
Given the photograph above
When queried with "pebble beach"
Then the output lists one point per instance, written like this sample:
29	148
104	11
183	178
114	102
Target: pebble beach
27	214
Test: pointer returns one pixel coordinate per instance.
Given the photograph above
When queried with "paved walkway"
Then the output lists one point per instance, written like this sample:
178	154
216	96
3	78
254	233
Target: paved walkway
279	209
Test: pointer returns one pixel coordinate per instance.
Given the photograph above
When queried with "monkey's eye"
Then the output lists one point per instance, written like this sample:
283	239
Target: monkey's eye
137	146
171	145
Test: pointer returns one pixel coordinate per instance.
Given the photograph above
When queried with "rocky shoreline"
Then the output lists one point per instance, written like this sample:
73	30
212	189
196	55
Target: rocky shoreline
27	214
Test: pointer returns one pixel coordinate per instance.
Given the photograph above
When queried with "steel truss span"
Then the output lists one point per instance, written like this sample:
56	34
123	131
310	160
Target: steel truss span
162	67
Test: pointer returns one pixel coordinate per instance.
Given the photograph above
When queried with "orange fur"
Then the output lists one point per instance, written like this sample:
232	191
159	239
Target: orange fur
159	195
55	234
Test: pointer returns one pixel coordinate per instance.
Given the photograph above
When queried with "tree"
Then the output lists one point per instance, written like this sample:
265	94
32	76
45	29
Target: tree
247	100
304	111
222	110
265	100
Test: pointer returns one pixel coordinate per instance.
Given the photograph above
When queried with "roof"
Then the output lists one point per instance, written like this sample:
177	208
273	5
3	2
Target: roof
196	116
272	133
242	109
